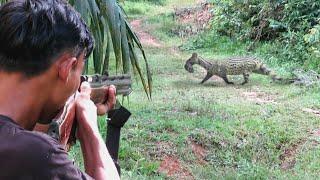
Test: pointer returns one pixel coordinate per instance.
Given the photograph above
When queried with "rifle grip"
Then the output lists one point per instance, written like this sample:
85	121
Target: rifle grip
98	95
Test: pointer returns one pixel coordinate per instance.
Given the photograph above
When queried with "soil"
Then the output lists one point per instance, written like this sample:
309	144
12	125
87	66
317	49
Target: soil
288	157
200	152
259	97
145	38
172	167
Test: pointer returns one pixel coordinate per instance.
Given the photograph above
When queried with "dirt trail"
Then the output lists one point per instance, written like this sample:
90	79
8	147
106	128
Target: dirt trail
170	164
145	38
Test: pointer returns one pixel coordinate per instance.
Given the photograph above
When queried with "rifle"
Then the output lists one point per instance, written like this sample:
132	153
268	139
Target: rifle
97	82
116	117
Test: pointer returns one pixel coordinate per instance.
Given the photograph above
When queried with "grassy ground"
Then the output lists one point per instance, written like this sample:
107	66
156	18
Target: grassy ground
260	130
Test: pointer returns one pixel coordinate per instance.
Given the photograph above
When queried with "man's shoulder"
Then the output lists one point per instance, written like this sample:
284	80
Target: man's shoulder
36	146
37	139
29	140
27	145
52	157
43	155
14	136
17	140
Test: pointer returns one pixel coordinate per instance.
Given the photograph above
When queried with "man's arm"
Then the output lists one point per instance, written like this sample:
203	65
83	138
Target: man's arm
97	160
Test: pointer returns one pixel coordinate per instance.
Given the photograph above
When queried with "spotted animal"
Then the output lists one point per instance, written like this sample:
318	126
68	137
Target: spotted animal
230	66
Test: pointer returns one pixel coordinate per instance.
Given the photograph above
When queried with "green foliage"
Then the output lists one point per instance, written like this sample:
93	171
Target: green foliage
217	44
291	26
112	32
264	19
133	8
157	2
313	39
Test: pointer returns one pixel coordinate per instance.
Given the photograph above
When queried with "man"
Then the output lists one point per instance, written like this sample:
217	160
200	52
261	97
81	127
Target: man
43	46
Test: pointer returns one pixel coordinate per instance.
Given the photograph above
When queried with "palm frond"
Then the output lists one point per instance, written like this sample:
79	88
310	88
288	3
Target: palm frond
111	30
3	1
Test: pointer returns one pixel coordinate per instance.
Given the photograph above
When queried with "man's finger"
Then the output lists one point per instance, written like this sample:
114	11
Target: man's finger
111	97
85	89
112	89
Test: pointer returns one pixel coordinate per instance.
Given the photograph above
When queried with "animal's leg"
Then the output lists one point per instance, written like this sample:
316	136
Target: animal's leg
226	79
246	78
208	76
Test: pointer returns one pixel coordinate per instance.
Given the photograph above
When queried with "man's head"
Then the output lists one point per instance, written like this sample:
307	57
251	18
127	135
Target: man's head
33	33
44	39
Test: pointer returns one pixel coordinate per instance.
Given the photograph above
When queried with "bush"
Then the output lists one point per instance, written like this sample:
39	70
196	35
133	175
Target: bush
292	26
264	19
157	2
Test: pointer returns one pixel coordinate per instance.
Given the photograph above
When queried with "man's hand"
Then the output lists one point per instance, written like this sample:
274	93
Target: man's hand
98	162
87	111
110	101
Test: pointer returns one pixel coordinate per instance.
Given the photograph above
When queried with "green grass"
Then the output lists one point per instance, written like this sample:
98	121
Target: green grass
137	8
244	129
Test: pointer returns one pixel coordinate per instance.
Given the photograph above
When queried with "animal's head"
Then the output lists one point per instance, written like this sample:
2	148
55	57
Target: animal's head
190	62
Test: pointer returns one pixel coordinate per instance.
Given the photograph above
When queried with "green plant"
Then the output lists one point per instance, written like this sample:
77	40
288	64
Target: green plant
292	27
157	2
313	39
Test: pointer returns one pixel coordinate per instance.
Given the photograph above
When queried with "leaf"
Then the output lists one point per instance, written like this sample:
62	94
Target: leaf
105	68
111	14
124	46
138	68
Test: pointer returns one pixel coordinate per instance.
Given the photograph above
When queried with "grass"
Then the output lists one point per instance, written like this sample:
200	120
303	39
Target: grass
243	129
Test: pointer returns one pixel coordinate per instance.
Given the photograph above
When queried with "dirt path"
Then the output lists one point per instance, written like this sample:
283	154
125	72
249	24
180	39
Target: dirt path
170	165
145	38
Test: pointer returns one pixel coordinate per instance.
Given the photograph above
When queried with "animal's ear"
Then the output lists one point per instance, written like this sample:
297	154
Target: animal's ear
194	55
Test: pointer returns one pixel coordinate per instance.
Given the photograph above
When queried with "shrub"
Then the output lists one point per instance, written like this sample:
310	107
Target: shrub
157	2
292	26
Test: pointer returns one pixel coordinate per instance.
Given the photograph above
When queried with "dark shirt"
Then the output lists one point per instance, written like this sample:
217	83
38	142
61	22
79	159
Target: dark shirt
33	155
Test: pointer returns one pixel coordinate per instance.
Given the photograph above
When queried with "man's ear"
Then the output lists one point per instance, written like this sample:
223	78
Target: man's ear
65	66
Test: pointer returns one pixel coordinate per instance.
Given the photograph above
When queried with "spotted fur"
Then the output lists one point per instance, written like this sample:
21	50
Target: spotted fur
231	66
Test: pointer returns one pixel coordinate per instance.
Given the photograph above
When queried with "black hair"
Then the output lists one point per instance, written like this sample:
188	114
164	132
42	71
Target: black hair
34	32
